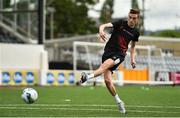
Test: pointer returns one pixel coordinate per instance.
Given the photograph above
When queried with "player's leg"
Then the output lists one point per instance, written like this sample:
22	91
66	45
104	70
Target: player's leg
110	86
103	67
109	83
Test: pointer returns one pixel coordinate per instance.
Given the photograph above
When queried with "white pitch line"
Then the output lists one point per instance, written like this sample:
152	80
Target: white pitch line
84	109
92	105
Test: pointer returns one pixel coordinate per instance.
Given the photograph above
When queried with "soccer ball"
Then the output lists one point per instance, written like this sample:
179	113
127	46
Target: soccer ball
29	95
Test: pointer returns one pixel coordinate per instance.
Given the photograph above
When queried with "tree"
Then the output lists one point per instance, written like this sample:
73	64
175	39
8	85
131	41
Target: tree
167	33
6	3
71	17
107	11
135	5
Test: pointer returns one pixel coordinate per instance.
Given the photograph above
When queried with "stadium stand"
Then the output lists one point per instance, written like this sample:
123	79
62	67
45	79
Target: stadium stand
157	63
6	37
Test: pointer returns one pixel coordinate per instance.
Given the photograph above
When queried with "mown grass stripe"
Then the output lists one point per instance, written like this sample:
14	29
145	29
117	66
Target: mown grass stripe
92	105
84	109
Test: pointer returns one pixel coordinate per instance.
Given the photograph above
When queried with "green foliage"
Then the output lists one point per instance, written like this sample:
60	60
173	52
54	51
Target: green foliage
71	17
134	4
167	33
6	3
107	11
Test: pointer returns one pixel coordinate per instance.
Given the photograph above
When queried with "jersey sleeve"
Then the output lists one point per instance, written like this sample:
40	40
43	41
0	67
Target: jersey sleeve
117	23
136	36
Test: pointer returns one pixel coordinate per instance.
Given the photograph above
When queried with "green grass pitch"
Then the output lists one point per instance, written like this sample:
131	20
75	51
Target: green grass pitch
140	101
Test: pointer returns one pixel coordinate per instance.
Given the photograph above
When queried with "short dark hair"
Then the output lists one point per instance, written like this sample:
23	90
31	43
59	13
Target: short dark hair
134	11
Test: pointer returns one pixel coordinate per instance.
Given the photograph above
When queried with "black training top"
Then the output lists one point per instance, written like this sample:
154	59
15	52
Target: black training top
121	36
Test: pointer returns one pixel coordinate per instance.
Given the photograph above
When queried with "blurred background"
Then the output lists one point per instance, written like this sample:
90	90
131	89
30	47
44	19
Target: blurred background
50	42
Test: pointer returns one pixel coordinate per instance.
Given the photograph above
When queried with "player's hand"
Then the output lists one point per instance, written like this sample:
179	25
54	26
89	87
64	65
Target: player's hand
102	39
102	36
133	64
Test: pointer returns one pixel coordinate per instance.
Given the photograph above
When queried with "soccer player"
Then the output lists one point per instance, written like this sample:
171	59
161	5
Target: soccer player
124	32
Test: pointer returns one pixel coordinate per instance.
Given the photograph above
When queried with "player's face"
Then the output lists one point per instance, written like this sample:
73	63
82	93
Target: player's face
132	19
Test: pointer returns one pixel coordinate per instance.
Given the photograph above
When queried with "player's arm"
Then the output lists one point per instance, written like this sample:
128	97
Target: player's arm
132	51
102	34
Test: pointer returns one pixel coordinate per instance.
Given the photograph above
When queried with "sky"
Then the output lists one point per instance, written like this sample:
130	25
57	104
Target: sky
159	14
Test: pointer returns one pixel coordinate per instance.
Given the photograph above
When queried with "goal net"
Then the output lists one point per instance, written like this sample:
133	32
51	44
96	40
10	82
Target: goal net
87	57
151	66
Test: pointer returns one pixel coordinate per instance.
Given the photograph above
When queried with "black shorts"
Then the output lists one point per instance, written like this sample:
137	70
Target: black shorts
118	58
